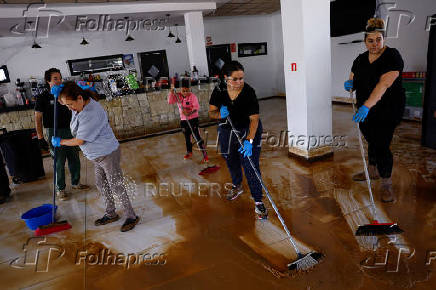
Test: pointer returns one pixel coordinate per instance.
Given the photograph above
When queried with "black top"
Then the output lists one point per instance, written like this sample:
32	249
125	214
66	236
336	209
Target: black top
367	75
45	105
240	109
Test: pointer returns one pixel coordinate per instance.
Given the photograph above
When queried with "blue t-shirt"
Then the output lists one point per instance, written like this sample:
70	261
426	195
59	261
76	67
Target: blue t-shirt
92	126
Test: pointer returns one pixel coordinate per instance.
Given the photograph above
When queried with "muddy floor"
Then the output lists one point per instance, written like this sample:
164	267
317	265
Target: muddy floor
190	237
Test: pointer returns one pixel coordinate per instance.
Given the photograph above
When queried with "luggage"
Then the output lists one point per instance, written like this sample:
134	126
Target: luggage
21	151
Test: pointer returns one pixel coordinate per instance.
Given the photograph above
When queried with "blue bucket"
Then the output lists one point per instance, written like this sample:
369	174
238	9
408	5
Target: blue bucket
38	216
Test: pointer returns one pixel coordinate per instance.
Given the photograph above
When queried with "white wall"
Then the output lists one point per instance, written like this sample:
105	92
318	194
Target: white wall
412	42
261	71
24	61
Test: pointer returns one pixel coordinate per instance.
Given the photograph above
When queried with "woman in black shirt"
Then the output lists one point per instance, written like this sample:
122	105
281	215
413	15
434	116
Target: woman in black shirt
376	77
238	100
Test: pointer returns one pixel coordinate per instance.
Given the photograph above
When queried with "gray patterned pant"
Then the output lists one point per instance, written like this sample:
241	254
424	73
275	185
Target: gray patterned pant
110	182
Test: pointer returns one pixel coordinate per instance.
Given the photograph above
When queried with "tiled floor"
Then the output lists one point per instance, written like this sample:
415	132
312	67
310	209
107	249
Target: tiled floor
191	237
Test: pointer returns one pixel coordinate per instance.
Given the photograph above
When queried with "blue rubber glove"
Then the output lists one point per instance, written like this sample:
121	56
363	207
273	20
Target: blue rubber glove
224	112
247	149
56	90
361	114
348	85
56	141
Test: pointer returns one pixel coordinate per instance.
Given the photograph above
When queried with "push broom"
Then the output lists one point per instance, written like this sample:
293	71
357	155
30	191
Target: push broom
209	168
303	261
374	228
61	225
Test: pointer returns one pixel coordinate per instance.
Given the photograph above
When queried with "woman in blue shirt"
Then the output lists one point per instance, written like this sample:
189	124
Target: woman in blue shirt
93	134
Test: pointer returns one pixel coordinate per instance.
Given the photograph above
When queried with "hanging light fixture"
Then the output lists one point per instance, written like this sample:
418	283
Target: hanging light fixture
84	41
177	32
170	34
34	45
128	38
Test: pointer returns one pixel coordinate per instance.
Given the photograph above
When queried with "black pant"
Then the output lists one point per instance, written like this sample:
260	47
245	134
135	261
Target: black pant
187	132
229	146
378	130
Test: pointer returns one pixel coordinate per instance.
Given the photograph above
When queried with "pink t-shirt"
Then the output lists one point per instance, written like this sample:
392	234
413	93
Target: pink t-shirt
189	103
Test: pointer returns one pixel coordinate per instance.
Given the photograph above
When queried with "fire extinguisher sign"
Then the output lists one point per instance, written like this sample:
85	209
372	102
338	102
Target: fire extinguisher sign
293	66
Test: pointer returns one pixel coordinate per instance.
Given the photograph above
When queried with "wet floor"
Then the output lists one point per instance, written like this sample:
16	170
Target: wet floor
191	237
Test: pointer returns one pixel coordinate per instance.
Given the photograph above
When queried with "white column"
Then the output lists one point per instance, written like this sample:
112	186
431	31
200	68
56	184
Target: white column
307	67
196	42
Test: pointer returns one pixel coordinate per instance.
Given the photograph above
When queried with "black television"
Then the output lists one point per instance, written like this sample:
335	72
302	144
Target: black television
4	75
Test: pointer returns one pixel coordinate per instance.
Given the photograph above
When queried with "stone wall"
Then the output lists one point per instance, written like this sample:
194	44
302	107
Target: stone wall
131	115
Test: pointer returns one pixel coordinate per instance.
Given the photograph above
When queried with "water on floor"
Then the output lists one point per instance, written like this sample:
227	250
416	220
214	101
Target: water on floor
191	237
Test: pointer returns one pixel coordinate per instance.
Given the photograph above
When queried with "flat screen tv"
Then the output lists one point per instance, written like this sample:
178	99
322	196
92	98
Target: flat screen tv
4	75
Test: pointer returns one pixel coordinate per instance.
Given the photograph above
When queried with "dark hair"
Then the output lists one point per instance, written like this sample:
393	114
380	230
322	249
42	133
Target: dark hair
71	91
230	67
49	72
186	83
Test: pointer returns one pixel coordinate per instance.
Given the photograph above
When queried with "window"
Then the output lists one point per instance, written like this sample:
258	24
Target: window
252	49
96	64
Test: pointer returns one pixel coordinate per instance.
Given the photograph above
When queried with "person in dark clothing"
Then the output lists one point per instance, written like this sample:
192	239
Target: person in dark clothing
238	100
376	78
5	190
44	109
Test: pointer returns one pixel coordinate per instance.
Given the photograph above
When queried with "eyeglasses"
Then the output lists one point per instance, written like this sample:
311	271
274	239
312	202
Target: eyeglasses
236	79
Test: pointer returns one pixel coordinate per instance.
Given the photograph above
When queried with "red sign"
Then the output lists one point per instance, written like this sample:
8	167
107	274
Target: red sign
233	47
208	40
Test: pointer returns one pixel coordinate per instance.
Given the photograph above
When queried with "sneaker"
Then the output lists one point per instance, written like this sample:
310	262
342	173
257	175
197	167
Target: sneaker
129	224
106	220
261	211
187	155
234	192
62	194
80	186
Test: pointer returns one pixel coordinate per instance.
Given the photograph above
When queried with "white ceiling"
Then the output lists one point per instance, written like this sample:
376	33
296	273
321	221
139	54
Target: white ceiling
11	19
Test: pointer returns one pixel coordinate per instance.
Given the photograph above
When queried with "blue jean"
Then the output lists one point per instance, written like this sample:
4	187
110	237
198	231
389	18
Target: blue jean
229	146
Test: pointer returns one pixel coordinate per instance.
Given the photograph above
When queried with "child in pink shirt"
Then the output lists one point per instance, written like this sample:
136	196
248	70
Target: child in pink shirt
188	109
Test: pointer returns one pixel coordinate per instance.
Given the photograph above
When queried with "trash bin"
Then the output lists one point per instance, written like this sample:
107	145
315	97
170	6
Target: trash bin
21	152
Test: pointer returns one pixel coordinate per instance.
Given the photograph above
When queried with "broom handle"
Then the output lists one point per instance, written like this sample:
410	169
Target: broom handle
362	151
266	191
55	125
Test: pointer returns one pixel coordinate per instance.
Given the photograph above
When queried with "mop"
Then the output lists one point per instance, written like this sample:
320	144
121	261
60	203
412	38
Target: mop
61	225
303	261
209	168
374	228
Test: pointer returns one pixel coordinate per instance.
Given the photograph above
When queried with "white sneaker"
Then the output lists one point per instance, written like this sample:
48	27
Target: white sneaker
62	195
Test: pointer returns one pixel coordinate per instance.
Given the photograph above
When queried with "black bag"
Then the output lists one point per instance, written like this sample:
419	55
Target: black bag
22	154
